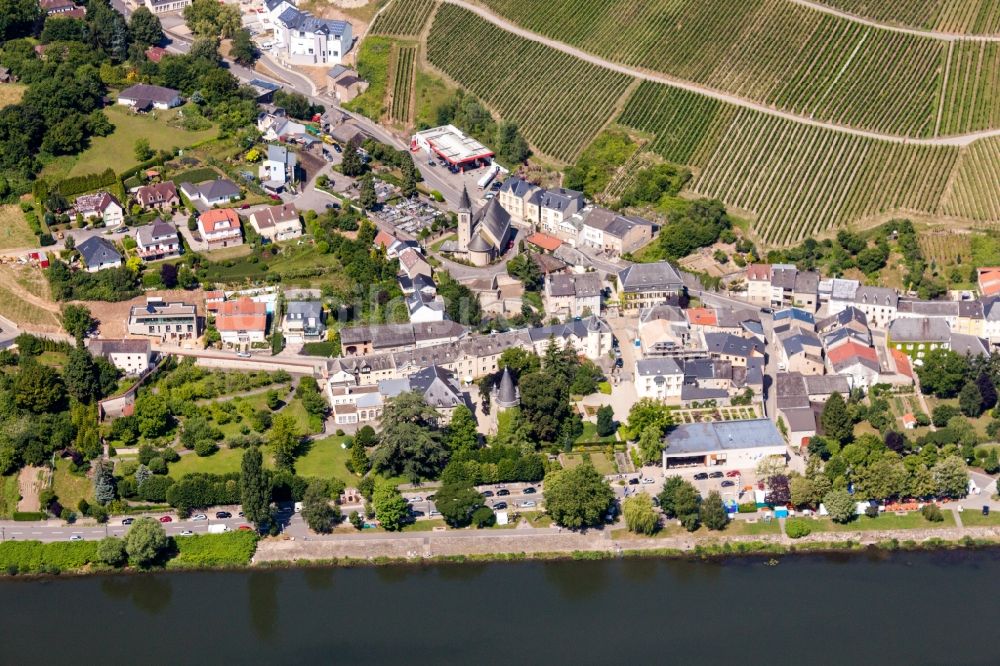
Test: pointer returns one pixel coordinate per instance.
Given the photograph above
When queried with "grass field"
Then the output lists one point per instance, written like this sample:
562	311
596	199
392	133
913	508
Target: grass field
22	291
11	93
373	66
71	488
590	434
9	495
888	521
14	230
118	149
597	458
223	461
325	459
971	518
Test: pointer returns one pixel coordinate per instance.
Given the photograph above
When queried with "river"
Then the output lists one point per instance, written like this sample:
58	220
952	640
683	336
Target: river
900	608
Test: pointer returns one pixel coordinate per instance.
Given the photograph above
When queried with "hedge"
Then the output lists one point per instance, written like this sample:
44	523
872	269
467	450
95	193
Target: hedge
38	557
80	184
26	516
232	549
326	348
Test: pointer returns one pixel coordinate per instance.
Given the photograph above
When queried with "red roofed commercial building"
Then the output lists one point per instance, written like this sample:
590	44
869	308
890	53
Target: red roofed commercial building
451	145
545	242
241	322
220	228
855	361
989	281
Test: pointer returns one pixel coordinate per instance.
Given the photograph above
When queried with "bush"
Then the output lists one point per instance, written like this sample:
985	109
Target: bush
232	549
27	516
34	556
747	507
932	513
484	517
358	522
796	528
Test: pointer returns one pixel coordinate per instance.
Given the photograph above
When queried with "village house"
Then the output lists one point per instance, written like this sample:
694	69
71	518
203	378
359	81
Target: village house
276	223
664	331
879	304
158	240
211	192
423	308
548	209
145	97
856	361
988	280
658	378
304	39
611	232
166	6
365	340
278	168
166	321
917	336
98	253
158	195
801	351
131	356
100	205
278	126
727	347
220	228
573	294
241	322
412	263
303	322
62	9
345	83
513	196
645	285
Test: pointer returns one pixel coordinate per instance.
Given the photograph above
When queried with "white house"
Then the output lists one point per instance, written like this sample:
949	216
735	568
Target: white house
307	40
423	309
220	228
131	356
166	6
278	168
142	97
212	192
98	253
277	223
658	378
158	240
242	321
100	205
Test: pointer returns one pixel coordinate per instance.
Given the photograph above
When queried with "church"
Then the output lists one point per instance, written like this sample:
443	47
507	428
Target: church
483	237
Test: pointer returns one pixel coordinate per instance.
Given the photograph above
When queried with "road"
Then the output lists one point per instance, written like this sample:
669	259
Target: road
954	140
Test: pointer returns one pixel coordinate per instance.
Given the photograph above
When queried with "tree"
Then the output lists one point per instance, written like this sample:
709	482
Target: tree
168	275
111	551
457	503
153	413
510	145
104	481
146	541
650	444
243	50
524	268
17	17
543	405
951	477
145	27
142	150
38	388
970	400
367	197
942	414
605	421
647	411
81	376
640	515
778	491
359	458
943	373
987	389
411	442
77	320
352	165
840	505
713	512
255	493
284	439
316	509
462	434
836	421
391	508
577	497
802	491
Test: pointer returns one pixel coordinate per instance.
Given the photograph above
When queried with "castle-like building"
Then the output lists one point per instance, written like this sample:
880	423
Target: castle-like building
483	237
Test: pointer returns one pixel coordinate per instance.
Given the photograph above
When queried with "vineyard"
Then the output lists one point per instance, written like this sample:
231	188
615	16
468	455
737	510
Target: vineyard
973	80
403	18
975	192
777	53
973	17
945	248
559	102
402	85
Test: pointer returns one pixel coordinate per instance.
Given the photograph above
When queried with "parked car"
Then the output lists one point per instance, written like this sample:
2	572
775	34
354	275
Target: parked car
128	521
728	484
496	186
337	147
434	513
733	473
417	514
487	493
500	506
76	537
716	475
223	514
418	498
430	498
199	516
274	197
529	491
528	504
187	533
986	510
503	492
243	354
244	206
633	481
166	519
648	481
700	476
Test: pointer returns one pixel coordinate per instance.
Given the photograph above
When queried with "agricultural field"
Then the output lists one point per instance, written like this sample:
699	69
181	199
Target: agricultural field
402	83
972	17
945	248
974	192
772	52
558	115
403	18
14	230
973	79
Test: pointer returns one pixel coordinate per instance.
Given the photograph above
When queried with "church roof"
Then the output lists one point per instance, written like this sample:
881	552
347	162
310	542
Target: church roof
464	203
495	221
479	244
508	395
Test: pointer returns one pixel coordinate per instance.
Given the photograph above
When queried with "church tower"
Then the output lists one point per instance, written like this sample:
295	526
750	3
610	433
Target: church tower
464	221
507	396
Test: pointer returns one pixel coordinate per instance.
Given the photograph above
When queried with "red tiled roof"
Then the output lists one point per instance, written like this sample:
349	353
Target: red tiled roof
702	317
243	314
759	272
210	218
848	350
989	281
544	241
903	366
384	239
155	53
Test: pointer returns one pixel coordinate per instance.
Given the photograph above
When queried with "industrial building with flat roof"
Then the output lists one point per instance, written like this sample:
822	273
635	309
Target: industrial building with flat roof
731	444
452	145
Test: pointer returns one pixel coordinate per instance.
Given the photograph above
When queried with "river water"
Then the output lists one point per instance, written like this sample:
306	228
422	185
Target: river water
902	608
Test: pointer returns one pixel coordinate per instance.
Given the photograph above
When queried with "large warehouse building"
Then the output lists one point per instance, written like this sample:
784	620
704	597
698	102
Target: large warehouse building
729	444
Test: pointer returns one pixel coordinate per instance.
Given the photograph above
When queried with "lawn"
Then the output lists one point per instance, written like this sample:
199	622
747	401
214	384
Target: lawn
14	230
222	461
424	525
118	149
297	410
296	265
597	458
325	459
70	488
887	521
972	518
590	435
56	360
747	528
9	495
11	93
437	244
227	253
15	282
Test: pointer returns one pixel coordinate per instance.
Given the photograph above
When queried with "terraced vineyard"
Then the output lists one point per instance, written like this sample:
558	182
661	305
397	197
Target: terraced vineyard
959	16
773	52
403	18
975	191
559	102
402	83
973	81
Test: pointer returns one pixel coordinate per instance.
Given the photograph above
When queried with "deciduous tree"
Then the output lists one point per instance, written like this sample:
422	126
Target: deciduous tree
577	497
640	515
840	505
457	503
713	513
316	509
145	542
284	439
255	495
835	419
390	506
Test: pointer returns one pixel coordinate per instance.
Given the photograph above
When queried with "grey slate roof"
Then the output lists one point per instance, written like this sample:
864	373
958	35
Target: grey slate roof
294	19
304	310
507	394
783	276
561	199
158	231
143	91
106	347
659	276
806	282
800	419
464	203
790	389
438	387
518	187
96	251
670	313
845	317
657	367
581	285
929	308
827	385
731	345
838	335
493	217
730	317
695	438
920	329
876	295
612	223
968	345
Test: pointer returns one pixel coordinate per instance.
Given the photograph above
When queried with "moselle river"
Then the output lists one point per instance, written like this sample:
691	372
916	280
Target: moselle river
901	608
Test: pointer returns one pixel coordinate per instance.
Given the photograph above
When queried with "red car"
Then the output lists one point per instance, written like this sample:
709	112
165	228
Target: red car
733	473
166	519
274	197
244	206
